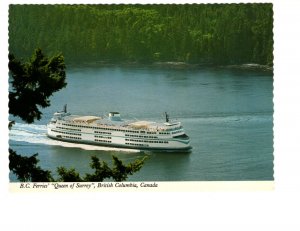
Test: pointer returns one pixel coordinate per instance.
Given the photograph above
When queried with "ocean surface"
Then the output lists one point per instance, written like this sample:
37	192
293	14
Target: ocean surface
228	114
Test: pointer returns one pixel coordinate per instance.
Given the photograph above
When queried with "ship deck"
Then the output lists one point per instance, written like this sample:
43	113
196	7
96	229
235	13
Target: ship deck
133	124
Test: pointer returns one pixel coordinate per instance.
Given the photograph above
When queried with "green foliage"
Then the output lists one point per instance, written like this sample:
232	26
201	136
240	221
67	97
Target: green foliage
121	171
68	175
197	33
26	169
33	83
102	171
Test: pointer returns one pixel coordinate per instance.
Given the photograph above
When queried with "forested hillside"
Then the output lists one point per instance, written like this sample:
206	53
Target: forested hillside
214	34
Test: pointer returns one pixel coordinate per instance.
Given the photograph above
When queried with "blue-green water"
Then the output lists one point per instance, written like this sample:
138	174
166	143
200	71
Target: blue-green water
227	113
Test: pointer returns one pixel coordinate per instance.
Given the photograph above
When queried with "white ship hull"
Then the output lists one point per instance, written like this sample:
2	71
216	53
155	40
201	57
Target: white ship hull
115	132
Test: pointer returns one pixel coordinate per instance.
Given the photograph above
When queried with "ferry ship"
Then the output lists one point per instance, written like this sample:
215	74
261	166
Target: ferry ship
113	131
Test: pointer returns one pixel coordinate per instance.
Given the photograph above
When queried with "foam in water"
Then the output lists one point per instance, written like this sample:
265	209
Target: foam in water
227	119
36	134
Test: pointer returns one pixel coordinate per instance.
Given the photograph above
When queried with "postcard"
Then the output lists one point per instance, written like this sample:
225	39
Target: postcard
137	95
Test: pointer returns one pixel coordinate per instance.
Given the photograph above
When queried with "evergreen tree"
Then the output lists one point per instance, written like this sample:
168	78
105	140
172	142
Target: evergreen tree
33	83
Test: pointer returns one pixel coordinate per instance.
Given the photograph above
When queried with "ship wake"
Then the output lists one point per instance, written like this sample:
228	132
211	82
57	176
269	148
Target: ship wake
36	134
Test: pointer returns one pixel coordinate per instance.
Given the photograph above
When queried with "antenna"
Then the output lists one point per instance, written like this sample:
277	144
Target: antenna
167	117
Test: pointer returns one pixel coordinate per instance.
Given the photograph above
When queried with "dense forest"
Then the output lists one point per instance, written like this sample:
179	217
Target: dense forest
195	33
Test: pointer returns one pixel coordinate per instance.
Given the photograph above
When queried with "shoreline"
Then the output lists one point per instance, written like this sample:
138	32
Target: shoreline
174	65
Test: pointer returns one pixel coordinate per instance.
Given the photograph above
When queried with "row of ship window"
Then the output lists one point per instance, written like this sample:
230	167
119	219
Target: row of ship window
176	131
75	134
141	136
104	141
105	137
78	134
148	141
72	137
110	129
113	129
108	133
73	129
78	126
140	145
110	137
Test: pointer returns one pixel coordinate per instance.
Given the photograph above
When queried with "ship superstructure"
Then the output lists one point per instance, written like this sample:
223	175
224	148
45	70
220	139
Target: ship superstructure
116	132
